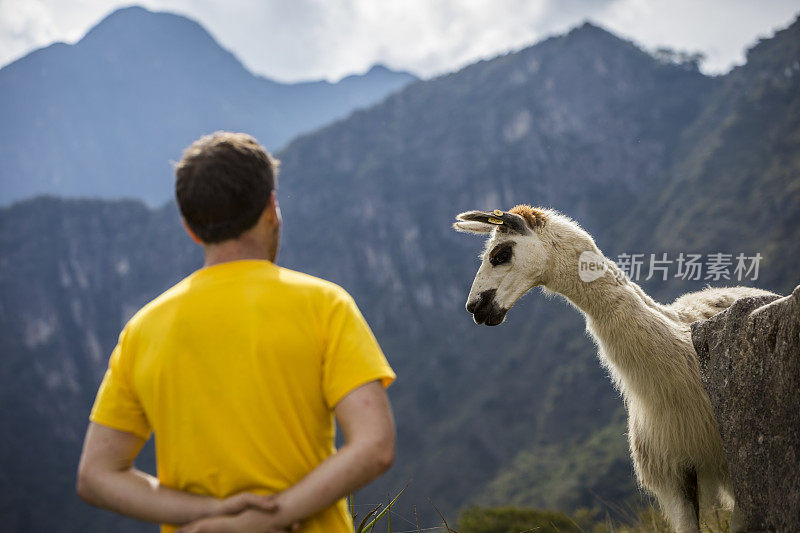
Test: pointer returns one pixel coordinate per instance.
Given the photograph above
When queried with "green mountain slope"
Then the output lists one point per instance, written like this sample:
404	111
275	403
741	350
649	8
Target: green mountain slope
742	159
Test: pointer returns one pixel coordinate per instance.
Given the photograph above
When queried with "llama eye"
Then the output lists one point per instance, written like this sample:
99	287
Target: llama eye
503	256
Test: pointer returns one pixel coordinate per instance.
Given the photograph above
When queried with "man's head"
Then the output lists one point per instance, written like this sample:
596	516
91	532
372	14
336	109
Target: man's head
225	188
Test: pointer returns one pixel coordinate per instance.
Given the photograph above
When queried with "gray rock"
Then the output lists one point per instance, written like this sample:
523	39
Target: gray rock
750	366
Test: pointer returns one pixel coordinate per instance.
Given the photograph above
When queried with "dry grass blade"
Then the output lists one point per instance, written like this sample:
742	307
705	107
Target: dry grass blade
380	515
444	520
361	527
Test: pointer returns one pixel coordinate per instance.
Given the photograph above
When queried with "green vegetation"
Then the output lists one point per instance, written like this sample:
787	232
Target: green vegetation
375	515
514	520
569	476
523	520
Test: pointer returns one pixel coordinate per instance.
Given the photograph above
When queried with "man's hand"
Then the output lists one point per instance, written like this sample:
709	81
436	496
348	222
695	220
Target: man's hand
244	500
366	420
249	521
107	478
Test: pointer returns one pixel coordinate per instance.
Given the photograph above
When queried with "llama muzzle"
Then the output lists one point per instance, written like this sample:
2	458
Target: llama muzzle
485	310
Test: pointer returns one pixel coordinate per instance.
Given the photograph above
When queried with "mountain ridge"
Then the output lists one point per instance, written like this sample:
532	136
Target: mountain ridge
104	117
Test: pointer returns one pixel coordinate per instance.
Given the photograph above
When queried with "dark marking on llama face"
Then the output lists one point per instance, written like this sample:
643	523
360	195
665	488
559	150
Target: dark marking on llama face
485	310
501	253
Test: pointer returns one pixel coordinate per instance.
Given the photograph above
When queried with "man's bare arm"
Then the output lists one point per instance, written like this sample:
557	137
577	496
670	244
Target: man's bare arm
366	420
108	479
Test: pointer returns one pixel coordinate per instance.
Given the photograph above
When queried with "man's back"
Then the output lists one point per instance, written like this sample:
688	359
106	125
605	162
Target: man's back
237	369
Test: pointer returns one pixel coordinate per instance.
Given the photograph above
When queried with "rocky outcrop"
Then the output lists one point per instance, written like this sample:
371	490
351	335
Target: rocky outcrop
750	365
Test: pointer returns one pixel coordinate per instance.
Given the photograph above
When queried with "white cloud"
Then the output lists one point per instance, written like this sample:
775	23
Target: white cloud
721	29
24	26
311	39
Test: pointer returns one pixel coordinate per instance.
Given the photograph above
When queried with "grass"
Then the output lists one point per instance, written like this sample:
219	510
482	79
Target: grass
650	520
374	516
477	519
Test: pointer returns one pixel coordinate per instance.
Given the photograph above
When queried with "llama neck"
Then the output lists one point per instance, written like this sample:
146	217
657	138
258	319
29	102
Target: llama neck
601	298
626	322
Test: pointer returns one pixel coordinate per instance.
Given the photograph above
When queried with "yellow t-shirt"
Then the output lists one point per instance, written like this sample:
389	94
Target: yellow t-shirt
237	369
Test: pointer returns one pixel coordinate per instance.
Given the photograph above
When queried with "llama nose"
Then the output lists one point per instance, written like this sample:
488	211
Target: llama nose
483	299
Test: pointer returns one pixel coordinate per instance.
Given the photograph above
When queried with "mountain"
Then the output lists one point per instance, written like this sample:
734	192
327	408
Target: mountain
744	153
585	122
648	156
62	294
104	117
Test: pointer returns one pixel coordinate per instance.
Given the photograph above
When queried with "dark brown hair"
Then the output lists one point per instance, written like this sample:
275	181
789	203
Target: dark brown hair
223	182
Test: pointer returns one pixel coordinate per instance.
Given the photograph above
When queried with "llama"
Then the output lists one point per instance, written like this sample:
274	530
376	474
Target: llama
646	347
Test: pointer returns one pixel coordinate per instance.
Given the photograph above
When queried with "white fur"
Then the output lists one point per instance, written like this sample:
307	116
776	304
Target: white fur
647	349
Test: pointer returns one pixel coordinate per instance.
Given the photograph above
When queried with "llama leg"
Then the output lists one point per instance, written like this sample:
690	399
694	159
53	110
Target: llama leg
677	494
679	501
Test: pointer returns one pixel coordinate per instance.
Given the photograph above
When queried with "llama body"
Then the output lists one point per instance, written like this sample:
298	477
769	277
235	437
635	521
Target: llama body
646	346
673	436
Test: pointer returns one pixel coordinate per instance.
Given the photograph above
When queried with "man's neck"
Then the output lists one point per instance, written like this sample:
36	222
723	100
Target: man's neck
234	251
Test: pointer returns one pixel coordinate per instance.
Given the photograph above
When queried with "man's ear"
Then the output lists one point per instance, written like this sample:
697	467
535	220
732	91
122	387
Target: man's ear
191	233
273	209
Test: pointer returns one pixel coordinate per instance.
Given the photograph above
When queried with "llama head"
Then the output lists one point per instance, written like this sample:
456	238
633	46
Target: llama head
514	261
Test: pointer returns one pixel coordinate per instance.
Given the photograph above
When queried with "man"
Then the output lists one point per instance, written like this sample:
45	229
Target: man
238	370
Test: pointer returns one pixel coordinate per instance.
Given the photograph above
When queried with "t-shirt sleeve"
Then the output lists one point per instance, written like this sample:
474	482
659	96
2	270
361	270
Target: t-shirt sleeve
116	404
352	354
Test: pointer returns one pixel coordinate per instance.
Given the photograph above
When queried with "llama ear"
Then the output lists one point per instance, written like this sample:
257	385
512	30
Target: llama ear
478	216
473	226
485	222
515	223
476	222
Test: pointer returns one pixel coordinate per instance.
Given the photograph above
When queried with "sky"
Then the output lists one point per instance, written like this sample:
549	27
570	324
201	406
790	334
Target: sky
292	40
